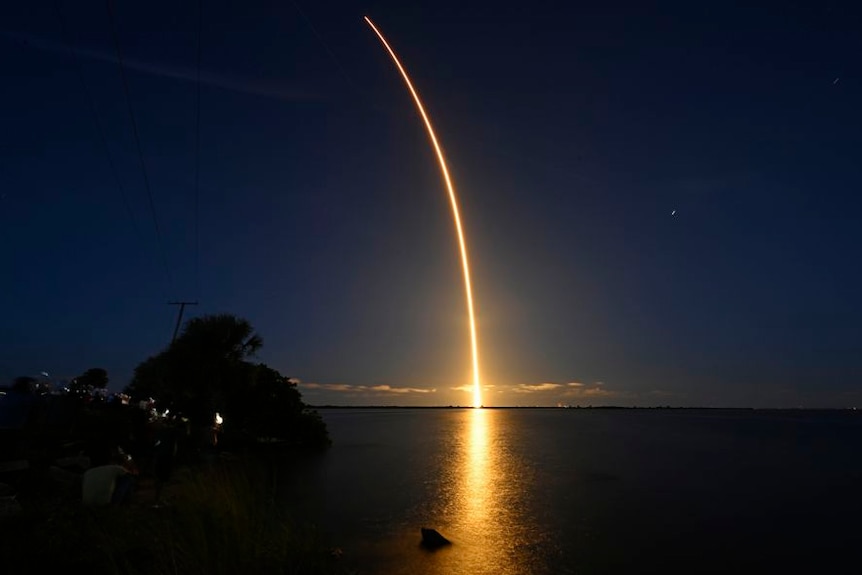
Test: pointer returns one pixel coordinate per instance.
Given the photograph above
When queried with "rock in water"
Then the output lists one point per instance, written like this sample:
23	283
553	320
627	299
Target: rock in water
431	539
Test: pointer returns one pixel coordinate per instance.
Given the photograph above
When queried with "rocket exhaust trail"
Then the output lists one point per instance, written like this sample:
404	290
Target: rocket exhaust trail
477	389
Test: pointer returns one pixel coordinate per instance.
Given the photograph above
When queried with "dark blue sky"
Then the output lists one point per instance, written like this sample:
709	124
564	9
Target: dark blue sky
573	131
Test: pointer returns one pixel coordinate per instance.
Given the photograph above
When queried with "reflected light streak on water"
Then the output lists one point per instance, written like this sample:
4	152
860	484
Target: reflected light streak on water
488	511
474	496
469	473
561	492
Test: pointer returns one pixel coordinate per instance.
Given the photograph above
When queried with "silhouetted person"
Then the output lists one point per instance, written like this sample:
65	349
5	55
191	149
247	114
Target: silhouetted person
111	483
164	452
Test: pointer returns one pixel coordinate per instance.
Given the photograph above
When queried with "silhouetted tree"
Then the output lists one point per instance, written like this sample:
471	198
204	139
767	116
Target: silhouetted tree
270	406
24	384
198	368
95	378
205	370
83	385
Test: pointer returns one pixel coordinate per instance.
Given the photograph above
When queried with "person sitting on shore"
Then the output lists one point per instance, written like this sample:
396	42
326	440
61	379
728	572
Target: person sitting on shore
109	484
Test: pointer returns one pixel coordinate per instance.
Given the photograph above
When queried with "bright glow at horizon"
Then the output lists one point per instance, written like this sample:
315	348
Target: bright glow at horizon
477	388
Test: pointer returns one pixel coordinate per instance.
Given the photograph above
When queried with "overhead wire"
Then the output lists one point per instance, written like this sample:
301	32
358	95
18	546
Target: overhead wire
342	70
109	4
64	30
198	152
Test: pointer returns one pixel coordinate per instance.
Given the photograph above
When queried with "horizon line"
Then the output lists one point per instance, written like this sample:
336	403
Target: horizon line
579	407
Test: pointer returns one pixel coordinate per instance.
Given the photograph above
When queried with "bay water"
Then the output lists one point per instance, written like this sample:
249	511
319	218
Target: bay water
544	491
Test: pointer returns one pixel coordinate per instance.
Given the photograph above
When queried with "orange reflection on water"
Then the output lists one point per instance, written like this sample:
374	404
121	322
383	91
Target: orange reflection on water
475	494
481	497
487	498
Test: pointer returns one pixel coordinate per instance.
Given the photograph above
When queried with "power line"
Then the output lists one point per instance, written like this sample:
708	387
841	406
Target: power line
109	4
198	152
326	47
182	305
92	105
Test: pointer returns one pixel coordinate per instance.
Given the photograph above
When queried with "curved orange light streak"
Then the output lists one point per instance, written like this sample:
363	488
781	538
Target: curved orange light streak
477	389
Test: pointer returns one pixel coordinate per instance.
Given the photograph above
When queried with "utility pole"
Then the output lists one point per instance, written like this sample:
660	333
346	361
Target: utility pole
182	305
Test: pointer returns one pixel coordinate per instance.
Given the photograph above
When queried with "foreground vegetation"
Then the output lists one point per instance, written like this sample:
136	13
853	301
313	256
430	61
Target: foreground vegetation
207	370
230	421
220	519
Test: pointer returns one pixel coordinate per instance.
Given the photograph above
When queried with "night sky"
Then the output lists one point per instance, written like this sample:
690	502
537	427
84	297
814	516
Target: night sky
662	204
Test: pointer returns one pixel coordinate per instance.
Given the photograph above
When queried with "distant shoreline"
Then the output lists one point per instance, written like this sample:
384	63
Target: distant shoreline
586	407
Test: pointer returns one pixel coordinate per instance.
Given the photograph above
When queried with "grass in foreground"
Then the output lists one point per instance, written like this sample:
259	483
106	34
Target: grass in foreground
219	520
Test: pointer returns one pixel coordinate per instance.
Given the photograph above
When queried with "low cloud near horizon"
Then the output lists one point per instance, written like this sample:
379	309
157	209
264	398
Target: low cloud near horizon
570	389
547	392
347	388
541	393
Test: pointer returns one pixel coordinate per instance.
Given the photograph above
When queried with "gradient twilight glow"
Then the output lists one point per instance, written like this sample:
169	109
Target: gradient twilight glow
477	389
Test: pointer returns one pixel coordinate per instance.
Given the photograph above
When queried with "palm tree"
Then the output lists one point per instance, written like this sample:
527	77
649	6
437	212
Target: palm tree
221	337
201	366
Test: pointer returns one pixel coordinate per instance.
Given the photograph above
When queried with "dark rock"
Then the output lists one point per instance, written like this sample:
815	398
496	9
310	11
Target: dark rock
432	539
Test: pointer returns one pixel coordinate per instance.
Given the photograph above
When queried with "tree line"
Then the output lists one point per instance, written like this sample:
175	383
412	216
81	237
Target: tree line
207	370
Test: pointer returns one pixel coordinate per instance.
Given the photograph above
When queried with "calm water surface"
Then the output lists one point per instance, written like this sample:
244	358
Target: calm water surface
589	491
